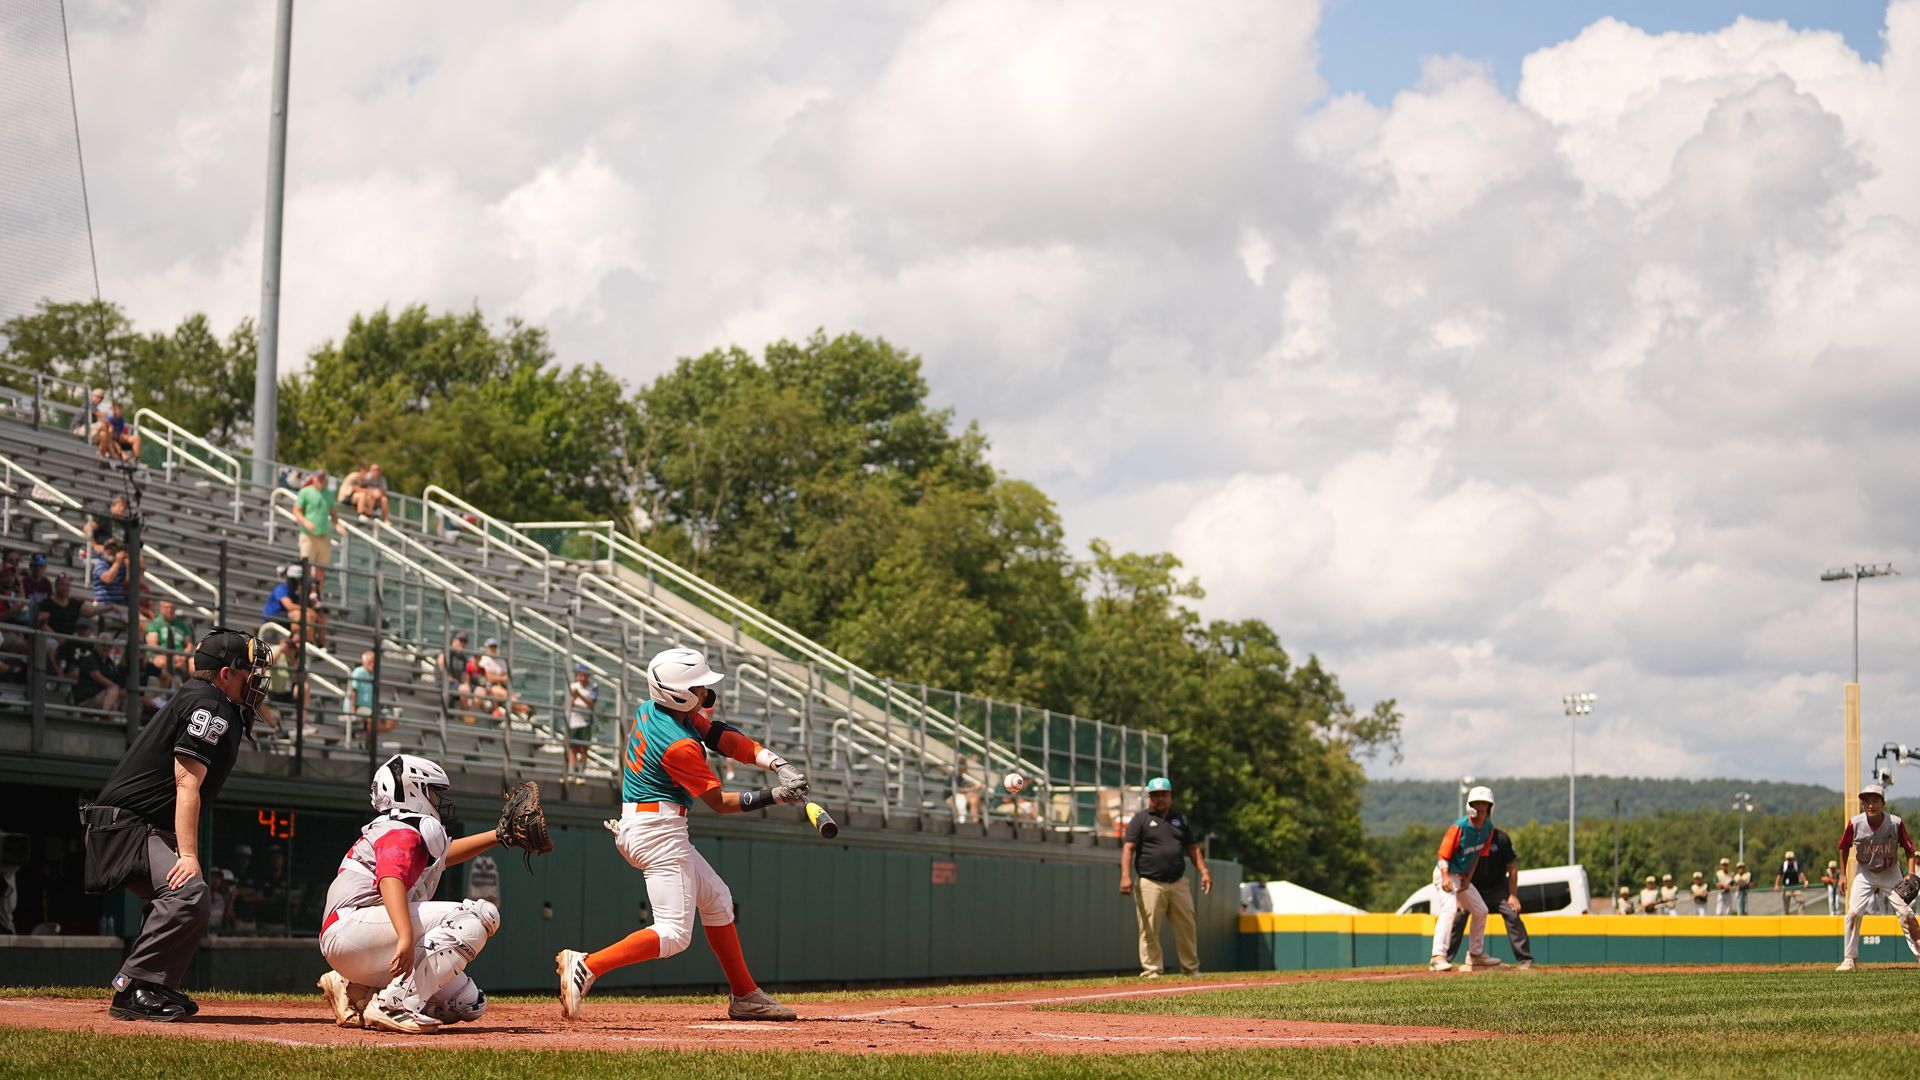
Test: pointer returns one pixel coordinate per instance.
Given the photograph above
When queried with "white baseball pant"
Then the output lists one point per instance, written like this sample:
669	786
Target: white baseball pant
447	936
679	879
1445	904
1869	889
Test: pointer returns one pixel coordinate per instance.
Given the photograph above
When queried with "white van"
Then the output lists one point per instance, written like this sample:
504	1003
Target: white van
1547	890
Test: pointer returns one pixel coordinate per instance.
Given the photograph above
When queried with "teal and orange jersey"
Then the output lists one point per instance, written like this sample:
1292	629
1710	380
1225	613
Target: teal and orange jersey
663	761
1464	840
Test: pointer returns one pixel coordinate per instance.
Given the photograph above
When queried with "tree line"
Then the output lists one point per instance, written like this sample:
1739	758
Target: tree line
1392	805
817	481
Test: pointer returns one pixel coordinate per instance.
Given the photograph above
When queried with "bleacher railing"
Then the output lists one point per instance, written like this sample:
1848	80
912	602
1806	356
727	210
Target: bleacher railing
902	746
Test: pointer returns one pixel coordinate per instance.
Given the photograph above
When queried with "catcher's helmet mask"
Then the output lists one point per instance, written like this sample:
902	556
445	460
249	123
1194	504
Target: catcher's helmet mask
415	784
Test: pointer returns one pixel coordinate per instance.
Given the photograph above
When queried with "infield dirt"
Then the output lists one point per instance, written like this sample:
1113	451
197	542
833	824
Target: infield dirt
1008	1021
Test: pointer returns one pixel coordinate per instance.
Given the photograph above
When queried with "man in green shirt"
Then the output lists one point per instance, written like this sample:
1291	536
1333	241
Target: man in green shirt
168	631
314	511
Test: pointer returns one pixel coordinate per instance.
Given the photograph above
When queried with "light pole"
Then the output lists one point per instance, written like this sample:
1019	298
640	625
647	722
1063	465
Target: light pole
1577	705
1742	805
1466	784
1850	697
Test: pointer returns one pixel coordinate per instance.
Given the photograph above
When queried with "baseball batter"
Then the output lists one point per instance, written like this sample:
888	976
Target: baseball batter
664	768
380	930
1460	849
1875	840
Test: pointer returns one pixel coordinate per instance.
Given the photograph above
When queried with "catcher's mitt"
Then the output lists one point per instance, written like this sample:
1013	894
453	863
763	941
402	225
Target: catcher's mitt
522	823
1908	888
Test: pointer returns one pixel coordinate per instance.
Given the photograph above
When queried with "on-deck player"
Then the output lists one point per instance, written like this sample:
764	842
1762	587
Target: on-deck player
1875	839
1460	849
380	930
663	770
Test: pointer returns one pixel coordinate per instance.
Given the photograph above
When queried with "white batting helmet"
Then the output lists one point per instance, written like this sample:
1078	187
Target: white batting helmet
1480	794
675	677
407	782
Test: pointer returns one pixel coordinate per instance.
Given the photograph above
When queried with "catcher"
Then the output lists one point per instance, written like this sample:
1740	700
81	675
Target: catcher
1876	840
663	770
380	930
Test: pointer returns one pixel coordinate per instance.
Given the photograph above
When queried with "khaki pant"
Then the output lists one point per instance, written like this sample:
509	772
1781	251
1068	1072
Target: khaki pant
1158	904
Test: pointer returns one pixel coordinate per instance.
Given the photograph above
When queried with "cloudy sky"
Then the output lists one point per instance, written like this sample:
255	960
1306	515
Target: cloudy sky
1490	356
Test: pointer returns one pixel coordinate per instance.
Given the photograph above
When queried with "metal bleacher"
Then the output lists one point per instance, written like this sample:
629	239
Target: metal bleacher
215	543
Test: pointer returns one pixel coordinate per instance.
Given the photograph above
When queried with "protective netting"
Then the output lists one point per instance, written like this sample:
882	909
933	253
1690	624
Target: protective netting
45	244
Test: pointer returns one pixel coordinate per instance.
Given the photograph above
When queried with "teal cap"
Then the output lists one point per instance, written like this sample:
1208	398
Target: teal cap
1159	783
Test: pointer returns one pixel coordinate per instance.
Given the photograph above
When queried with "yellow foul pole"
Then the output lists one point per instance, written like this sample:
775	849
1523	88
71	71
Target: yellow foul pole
1851	738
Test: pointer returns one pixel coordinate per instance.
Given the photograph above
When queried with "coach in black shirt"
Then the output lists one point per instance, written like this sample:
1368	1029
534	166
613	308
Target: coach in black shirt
177	764
1157	846
1497	878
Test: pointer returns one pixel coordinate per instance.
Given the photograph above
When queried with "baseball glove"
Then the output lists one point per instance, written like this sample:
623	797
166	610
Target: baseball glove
523	824
1908	888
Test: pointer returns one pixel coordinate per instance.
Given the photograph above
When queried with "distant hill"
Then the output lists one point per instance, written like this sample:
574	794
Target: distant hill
1391	805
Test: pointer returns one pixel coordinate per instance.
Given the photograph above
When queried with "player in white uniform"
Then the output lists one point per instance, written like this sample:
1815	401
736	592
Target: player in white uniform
381	931
1875	839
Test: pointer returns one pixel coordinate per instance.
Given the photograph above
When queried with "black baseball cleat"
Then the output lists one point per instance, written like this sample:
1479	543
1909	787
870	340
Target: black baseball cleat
178	997
142	1002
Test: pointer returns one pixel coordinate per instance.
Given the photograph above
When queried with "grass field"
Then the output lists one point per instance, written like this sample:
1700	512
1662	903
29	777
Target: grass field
1620	1023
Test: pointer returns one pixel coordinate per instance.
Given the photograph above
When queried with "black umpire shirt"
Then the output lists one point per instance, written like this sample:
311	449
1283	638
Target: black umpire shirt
1160	845
199	723
1490	877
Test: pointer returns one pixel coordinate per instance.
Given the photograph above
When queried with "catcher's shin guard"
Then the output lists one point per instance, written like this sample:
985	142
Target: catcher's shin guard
451	946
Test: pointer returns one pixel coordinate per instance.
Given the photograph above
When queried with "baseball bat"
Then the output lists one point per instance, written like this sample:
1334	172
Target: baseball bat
822	821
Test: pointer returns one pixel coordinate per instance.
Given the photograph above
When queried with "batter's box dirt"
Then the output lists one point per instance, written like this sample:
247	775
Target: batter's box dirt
976	1022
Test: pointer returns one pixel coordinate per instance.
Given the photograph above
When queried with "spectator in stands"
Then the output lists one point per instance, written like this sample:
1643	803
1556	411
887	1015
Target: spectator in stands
1792	883
365	490
1723	888
126	442
37	584
968	790
456	685
169	631
108	526
96	678
497	682
93	417
1700	891
1742	882
108	573
60	613
283	603
1623	902
222	881
1831	879
245	899
582	697
366	694
315	513
1669	896
100	426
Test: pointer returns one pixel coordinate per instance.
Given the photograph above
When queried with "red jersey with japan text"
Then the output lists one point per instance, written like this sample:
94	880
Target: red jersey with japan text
398	844
1877	850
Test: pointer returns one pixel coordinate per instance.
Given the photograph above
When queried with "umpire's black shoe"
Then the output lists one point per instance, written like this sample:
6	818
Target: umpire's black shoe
177	997
143	1002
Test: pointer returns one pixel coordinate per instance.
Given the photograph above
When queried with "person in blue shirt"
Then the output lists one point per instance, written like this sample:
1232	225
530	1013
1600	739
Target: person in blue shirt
1466	840
284	599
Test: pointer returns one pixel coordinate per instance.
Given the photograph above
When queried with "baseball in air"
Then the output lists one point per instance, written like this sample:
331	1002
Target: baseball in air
1015	783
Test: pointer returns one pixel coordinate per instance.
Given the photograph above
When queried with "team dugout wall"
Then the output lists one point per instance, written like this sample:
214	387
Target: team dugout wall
1302	942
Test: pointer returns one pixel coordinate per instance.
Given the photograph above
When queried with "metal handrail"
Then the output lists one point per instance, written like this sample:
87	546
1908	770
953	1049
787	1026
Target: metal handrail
168	429
441	560
81	534
485	530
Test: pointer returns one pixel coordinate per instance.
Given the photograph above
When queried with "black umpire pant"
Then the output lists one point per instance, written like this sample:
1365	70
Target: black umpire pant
172	921
1509	914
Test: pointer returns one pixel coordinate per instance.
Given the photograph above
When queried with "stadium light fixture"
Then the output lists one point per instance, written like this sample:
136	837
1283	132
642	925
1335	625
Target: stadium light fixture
1577	705
1466	784
1854	573
1743	805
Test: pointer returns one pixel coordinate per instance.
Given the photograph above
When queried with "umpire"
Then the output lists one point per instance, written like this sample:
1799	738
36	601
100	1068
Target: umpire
143	831
1497	879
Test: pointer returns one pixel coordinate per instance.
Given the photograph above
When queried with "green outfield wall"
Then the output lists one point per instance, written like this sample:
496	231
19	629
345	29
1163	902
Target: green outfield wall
1306	942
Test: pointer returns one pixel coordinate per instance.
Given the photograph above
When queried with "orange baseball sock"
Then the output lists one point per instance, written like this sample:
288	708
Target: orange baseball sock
725	941
632	949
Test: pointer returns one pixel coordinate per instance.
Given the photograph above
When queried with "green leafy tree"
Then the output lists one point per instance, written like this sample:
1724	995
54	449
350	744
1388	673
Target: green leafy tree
191	376
489	415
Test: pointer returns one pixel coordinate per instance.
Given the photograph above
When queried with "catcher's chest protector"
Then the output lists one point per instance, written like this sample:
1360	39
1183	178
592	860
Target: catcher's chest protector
431	832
